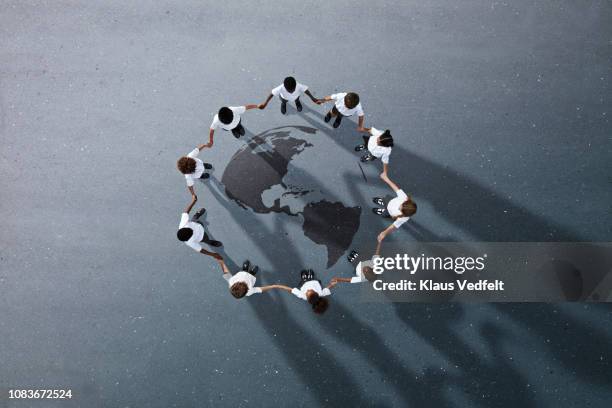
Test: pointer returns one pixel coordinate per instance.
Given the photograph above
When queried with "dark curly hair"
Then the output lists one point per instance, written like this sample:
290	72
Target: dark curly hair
186	165
184	234
226	115
320	306
351	100
239	289
289	83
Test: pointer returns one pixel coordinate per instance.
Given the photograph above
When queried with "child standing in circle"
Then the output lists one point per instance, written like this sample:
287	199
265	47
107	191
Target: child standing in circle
193	233
400	208
345	104
193	168
228	118
289	91
310	290
379	145
242	283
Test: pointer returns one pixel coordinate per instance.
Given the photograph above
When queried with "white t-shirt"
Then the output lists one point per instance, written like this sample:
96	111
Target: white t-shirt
198	232
395	208
282	91
341	107
245	277
190	178
359	273
378	151
314	285
238	110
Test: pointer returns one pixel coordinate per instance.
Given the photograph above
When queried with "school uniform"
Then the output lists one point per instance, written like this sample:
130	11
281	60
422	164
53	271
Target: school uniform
199	233
340	107
358	278
287	96
394	208
313	284
235	126
371	142
199	171
245	277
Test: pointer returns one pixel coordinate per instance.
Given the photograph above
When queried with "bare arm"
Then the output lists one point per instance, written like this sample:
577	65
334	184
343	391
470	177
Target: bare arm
192	191
210	138
338	279
270	287
224	267
213	254
283	287
385	232
263	105
311	96
385	170
325	99
332	283
360	127
194	198
251	106
378	248
390	183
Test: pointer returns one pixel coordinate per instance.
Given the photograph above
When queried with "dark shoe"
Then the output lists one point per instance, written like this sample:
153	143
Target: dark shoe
360	147
378	211
378	201
367	158
236	135
214	243
241	130
337	121
304	274
298	105
311	274
253	271
204	176
246	265
207	166
200	213
352	256
283	107
327	117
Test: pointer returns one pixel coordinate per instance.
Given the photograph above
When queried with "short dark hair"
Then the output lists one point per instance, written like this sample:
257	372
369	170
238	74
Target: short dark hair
184	234
289	83
226	115
351	100
368	273
386	140
312	297
408	207
320	306
239	289
186	165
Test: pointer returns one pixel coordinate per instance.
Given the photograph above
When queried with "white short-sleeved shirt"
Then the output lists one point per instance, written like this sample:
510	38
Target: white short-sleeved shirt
238	110
283	93
395	208
378	151
314	285
358	278
245	277
190	178
341	107
198	232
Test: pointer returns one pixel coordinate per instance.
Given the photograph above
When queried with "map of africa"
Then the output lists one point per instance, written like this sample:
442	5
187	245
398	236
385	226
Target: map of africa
263	163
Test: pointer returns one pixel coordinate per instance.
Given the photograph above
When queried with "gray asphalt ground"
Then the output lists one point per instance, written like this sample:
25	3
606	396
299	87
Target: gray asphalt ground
501	114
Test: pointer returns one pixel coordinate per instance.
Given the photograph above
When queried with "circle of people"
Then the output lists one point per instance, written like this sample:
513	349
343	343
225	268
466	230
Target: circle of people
377	144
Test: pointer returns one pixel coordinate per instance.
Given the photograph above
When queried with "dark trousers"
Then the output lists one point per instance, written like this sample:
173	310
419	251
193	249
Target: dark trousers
238	130
339	116
206	239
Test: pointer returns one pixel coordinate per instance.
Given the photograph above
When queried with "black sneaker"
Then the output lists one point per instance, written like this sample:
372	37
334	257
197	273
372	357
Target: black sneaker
246	265
283	107
236	135
352	256
242	131
214	243
360	147
311	274
207	166
378	201
298	105
200	213
304	274
327	117
367	158
204	176
337	121
378	211
253	271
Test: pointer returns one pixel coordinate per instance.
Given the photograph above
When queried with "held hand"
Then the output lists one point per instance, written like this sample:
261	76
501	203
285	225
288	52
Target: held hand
194	198
318	101
362	129
262	106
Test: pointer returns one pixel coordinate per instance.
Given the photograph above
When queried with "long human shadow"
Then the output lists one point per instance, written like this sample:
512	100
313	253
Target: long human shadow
316	367
460	199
